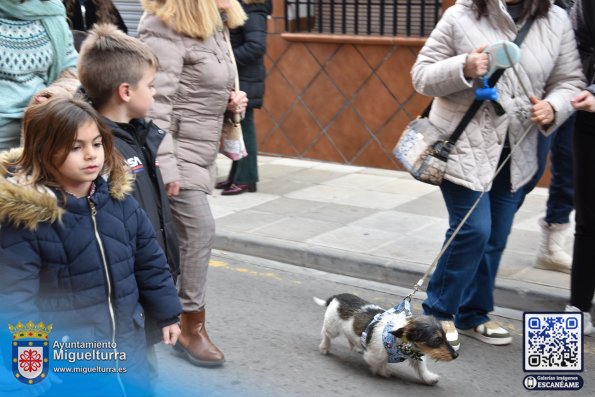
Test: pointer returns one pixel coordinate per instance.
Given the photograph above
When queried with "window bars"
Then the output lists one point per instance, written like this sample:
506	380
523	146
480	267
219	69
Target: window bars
363	17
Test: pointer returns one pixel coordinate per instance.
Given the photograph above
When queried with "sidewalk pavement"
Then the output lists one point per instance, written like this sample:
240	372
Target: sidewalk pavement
370	223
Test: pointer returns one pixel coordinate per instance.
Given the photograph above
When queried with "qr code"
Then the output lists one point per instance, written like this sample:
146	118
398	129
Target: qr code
553	342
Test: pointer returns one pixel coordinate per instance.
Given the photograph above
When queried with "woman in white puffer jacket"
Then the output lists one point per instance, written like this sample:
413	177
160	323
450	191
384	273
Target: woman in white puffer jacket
449	67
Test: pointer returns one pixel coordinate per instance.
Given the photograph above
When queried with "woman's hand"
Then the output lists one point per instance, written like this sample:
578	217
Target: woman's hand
542	112
171	334
237	102
476	64
584	101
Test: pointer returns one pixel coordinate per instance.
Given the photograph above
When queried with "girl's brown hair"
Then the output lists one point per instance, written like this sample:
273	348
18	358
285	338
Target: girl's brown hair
195	18
49	132
536	8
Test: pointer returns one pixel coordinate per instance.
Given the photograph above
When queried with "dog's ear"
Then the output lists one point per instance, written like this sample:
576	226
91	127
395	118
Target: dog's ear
398	332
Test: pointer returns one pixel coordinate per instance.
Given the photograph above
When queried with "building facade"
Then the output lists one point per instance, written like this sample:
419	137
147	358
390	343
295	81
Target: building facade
338	85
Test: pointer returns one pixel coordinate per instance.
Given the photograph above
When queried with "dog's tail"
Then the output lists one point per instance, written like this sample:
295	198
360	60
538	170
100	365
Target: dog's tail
320	302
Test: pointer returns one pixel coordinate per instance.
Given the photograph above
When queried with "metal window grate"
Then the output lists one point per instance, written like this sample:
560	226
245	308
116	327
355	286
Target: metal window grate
363	17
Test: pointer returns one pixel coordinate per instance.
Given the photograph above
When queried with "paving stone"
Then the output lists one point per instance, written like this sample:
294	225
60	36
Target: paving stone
246	221
295	228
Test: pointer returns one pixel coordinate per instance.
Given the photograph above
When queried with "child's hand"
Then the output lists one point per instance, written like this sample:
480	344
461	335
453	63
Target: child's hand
171	334
172	188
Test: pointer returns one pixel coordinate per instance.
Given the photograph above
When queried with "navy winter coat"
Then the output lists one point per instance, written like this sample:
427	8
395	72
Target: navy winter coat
249	47
138	142
62	273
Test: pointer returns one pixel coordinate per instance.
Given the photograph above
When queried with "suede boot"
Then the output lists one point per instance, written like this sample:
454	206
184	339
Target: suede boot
195	343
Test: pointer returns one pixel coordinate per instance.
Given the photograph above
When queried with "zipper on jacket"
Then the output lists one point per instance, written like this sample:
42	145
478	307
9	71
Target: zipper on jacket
109	292
105	269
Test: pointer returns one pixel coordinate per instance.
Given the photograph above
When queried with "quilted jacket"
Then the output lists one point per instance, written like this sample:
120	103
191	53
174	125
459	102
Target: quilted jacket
193	86
62	276
249	44
549	68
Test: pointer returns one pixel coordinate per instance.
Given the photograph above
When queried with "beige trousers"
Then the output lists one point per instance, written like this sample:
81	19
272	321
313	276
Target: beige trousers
195	227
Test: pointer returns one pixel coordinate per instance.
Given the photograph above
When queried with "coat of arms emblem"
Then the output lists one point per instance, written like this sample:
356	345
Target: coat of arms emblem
30	351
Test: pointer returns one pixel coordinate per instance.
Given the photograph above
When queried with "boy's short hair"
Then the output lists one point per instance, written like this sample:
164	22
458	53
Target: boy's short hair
108	58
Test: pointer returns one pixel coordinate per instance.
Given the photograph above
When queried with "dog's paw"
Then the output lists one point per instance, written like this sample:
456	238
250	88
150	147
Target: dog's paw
430	378
380	371
384	373
323	350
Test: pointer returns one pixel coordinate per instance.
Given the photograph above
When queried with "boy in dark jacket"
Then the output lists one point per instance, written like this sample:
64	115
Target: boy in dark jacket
117	72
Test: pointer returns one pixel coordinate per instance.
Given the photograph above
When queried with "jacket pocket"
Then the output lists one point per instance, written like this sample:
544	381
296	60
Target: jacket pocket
198	140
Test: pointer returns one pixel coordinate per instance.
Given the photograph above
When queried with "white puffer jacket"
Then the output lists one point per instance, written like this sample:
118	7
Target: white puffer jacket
550	69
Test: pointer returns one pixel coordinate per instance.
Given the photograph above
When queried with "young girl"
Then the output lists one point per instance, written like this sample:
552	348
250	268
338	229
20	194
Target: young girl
89	261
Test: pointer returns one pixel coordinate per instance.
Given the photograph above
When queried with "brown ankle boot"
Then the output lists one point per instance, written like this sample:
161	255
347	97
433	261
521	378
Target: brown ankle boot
195	342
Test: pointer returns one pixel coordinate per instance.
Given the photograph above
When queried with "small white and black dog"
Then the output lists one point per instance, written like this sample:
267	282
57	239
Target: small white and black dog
392	338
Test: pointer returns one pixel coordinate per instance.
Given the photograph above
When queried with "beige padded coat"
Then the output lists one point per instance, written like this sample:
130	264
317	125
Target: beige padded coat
193	85
550	69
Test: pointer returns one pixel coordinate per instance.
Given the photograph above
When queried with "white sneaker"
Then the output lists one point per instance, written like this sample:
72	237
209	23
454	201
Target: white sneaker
587	322
489	332
452	336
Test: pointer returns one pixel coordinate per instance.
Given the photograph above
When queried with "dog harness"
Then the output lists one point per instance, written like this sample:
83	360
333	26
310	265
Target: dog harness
397	352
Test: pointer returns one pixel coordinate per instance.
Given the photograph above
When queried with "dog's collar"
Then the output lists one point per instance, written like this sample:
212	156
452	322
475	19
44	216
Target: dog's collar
407	351
403	307
398	352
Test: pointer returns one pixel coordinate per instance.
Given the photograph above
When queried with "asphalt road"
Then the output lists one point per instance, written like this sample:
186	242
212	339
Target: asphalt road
261	314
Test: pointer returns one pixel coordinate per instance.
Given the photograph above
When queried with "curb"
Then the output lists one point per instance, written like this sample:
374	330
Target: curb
512	294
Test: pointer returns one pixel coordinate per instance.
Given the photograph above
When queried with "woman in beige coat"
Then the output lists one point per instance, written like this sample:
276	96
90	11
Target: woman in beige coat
194	88
449	67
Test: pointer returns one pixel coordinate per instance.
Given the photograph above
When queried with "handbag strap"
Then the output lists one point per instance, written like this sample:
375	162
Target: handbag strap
477	103
233	59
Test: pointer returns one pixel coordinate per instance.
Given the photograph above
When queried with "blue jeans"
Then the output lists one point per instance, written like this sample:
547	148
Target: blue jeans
560	202
462	286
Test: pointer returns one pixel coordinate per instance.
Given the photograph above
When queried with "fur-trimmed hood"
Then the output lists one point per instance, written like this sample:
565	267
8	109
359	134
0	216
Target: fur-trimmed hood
27	205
